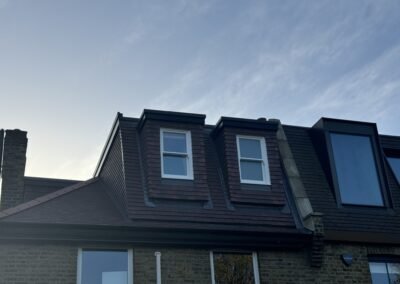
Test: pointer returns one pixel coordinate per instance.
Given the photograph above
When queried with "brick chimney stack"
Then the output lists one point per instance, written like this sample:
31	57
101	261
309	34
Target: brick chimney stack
13	160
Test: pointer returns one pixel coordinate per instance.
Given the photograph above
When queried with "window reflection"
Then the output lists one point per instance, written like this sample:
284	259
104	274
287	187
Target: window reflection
385	273
356	169
104	267
233	268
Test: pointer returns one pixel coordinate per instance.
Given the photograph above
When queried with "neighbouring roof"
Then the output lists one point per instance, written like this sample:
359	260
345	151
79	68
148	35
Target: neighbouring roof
351	223
83	203
35	187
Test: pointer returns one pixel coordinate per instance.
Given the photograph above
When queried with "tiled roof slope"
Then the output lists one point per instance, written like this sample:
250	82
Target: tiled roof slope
216	213
383	221
85	203
35	187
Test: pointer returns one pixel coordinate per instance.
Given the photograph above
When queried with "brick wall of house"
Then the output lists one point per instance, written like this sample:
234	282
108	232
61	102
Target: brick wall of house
37	263
45	264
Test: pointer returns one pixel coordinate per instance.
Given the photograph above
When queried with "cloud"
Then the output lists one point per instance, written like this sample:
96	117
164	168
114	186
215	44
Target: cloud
327	61
136	34
366	93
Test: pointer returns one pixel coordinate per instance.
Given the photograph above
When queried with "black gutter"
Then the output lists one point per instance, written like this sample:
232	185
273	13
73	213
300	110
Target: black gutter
151	237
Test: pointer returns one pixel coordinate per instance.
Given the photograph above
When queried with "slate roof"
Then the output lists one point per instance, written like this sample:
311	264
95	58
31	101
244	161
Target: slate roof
117	196
35	187
365	221
83	203
218	213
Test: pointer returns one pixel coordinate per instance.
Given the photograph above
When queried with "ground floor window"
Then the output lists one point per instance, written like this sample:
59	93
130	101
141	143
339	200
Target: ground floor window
104	266
234	268
384	271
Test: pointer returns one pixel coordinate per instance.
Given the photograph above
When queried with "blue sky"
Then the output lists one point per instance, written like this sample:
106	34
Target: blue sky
68	66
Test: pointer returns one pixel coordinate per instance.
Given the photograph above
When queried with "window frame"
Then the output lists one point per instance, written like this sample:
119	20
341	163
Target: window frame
335	172
355	128
188	155
130	262
254	259
264	160
386	259
393	156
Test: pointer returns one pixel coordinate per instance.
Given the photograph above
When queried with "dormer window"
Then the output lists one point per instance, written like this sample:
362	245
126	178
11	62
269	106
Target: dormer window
356	169
395	165
253	162
176	154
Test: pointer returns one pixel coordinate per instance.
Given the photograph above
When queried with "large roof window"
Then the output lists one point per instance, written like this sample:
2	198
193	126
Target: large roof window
356	170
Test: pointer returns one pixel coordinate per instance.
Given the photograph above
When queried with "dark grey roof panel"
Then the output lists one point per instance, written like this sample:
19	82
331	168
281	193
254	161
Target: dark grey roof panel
88	204
35	187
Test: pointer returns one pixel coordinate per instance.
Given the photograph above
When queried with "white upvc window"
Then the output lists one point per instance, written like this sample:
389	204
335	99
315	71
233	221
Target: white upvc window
176	154
233	267
105	266
253	160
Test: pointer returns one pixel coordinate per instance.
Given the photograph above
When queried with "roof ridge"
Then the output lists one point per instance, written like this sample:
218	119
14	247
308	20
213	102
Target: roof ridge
42	199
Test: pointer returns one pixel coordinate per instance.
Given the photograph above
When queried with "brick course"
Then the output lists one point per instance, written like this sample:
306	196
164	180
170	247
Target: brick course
50	263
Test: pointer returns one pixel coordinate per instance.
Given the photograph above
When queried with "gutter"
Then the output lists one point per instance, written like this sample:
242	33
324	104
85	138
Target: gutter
12	231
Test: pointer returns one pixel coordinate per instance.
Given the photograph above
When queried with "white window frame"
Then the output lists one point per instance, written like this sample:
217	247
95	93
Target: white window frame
264	160
255	267
188	155
79	263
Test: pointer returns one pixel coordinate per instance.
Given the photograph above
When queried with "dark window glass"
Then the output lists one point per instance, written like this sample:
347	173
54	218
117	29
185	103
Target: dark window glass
175	165
104	267
251	170
174	142
356	170
395	165
250	148
233	268
384	273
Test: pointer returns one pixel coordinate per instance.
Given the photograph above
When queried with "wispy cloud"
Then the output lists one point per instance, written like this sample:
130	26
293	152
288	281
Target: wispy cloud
316	70
292	60
368	93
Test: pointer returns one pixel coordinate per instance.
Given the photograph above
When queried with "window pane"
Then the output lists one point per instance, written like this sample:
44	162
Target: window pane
232	268
250	148
378	273
356	169
394	272
395	164
175	165
104	267
251	170
174	142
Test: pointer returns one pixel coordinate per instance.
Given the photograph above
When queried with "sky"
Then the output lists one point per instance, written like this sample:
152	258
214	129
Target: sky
68	66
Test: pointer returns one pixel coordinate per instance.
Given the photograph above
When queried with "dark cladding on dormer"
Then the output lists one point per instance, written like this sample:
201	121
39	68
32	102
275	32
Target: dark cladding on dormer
352	159
170	116
130	168
160	183
227	135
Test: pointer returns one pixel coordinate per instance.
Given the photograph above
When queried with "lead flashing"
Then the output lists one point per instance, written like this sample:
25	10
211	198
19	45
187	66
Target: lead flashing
256	124
171	116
